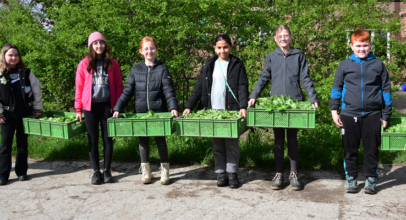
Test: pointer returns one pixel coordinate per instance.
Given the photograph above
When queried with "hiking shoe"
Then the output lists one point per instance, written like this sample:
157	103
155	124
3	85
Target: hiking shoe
97	178
164	173
23	178
277	181
145	169
108	178
294	181
351	186
3	182
233	180
222	179
370	184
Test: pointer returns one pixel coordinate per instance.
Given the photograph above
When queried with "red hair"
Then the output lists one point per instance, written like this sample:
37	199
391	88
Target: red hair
148	39
360	35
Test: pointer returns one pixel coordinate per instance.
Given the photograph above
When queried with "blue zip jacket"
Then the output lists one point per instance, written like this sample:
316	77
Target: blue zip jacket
362	86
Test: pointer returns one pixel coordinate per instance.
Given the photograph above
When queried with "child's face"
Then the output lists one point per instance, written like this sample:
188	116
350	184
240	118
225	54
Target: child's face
222	49
283	38
148	51
99	46
12	57
361	49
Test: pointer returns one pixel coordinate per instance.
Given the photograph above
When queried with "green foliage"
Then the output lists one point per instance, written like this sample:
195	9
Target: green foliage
399	127
150	114
213	114
281	103
56	118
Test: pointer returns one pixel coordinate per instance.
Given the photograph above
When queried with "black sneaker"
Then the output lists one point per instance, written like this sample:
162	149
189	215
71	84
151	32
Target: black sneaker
108	178
233	180
222	179
3	182
23	178
277	181
97	178
294	181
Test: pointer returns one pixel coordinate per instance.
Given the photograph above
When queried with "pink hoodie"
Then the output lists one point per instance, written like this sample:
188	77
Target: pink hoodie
84	79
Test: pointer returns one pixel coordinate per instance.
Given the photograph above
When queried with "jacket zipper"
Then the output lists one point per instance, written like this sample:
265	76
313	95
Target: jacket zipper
362	90
148	87
284	73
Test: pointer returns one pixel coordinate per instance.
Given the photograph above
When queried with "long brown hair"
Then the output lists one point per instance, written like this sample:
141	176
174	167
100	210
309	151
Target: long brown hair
4	68
91	55
280	28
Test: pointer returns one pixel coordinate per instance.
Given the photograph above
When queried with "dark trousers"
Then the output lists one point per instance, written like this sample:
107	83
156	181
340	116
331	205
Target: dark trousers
367	130
293	149
99	114
145	149
226	153
7	134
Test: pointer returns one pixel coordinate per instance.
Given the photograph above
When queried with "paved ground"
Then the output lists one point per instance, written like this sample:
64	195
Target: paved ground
62	190
399	101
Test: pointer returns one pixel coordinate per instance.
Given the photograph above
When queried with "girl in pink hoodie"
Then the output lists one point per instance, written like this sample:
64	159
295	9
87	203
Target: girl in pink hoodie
98	86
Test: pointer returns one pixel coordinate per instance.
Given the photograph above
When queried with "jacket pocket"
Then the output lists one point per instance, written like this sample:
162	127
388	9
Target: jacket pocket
373	99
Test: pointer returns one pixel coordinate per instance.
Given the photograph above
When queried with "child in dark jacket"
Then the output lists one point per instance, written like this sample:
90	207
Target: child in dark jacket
151	83
362	85
286	67
213	93
20	95
98	86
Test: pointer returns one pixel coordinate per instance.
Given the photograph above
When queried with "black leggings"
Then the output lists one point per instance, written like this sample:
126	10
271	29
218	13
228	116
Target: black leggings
293	150
7	134
99	113
162	149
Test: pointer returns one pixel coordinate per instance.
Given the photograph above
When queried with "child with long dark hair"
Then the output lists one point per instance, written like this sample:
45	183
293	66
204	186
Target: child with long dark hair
152	84
287	67
20	96
98	86
213	93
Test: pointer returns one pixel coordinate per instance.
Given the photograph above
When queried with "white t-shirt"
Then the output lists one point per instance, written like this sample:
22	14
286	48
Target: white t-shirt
218	89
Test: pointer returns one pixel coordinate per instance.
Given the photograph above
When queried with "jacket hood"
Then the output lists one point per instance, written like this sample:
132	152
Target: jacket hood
292	51
358	60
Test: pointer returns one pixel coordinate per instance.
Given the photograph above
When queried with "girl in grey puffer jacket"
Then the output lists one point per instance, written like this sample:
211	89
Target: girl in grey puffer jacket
286	66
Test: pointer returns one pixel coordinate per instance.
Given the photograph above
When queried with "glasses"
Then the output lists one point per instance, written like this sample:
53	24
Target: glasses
101	43
283	37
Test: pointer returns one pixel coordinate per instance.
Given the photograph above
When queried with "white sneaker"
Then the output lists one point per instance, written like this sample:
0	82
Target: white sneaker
164	173
145	169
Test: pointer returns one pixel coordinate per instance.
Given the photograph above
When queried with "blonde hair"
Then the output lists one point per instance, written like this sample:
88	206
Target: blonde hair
280	28
148	39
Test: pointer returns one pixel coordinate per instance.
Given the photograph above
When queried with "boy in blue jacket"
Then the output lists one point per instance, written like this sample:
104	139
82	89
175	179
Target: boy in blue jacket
362	85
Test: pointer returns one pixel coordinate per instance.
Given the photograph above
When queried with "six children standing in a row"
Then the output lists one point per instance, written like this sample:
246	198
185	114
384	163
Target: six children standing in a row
361	85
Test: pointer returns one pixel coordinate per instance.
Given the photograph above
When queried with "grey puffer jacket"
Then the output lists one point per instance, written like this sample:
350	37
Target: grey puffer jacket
286	74
151	87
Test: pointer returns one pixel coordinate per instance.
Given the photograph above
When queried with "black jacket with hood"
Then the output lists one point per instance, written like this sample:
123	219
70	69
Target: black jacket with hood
151	87
286	72
236	78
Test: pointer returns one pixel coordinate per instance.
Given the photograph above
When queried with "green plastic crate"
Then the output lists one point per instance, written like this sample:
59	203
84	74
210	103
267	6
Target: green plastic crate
393	140
292	118
217	128
125	126
63	130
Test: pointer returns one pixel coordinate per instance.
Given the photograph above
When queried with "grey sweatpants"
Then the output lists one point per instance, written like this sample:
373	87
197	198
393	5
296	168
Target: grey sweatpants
226	154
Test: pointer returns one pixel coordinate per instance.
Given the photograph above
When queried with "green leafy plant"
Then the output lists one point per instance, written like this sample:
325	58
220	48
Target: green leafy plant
150	114
213	114
400	127
56	118
281	103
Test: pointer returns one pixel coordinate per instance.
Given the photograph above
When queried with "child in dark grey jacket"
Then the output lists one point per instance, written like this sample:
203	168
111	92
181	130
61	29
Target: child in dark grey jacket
286	67
362	85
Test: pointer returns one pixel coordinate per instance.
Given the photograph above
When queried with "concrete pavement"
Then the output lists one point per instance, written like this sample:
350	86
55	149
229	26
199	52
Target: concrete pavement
62	190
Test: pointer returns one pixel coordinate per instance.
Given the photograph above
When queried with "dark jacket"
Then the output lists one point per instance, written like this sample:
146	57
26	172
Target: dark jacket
150	89
286	74
236	79
363	86
30	91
